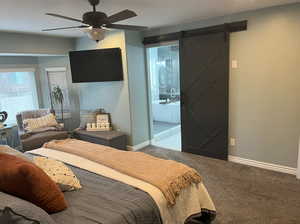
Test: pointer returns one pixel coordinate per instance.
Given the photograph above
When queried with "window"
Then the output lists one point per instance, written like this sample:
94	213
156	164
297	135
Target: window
17	92
57	77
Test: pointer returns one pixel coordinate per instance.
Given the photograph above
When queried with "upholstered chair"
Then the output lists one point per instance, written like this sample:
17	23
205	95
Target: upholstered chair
32	141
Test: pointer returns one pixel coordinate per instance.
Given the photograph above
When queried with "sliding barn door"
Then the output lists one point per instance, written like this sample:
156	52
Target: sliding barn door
204	85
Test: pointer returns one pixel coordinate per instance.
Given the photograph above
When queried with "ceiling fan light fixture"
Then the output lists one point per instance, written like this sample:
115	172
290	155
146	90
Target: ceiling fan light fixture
97	22
96	34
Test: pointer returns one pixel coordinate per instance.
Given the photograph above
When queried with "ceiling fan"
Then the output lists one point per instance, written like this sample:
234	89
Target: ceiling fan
96	22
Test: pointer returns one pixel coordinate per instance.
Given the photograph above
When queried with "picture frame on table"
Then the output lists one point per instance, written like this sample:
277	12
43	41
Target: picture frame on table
103	118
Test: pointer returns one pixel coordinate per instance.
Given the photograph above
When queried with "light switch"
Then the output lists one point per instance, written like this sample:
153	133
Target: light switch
234	64
232	141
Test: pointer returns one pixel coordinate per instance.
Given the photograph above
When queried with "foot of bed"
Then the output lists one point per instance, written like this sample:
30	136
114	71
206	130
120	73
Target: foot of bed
201	218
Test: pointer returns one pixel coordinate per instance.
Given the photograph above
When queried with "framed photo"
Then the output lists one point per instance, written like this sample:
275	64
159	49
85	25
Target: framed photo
103	118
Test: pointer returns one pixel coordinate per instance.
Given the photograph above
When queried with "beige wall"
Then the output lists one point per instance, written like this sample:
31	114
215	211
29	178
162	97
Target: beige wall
265	88
22	43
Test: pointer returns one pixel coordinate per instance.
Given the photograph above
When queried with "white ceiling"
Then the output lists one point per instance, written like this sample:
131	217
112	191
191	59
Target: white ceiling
29	15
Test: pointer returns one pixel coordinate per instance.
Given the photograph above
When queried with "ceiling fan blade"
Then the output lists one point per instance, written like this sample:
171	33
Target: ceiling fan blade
65	28
64	17
126	27
125	14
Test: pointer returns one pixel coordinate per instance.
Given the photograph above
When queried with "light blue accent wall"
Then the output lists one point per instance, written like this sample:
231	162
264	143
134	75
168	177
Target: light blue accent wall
137	87
54	62
18	61
21	62
22	43
31	46
126	100
111	96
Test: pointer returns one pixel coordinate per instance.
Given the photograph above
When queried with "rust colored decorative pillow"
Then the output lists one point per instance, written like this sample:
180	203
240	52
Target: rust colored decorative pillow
27	181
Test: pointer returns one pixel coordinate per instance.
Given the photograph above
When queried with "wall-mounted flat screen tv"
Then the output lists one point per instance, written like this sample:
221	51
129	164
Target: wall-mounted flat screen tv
102	65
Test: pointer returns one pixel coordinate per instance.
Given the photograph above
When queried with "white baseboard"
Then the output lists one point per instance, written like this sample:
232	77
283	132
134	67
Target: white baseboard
235	159
139	146
268	166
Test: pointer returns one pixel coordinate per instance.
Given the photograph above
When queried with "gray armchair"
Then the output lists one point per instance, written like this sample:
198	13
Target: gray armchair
32	141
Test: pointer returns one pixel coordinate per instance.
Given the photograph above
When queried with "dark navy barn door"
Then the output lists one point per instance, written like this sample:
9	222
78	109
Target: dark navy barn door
204	61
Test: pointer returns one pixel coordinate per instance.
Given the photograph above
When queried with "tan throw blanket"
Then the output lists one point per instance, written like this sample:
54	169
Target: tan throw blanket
169	176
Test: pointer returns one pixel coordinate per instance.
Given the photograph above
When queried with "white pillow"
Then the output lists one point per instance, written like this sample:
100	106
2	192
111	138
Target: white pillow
59	173
41	122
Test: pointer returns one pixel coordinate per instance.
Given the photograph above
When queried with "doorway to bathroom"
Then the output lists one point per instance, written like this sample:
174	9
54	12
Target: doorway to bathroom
164	95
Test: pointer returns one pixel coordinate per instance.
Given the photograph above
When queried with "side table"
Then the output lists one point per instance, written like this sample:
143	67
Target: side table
113	139
6	135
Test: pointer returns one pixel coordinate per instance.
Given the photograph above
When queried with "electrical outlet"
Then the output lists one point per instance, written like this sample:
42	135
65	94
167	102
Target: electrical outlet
232	142
234	64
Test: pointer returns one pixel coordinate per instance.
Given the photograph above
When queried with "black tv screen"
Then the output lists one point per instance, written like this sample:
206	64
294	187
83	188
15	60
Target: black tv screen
101	65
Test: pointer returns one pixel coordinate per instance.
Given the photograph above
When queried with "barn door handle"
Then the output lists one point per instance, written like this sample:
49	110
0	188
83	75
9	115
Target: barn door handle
182	98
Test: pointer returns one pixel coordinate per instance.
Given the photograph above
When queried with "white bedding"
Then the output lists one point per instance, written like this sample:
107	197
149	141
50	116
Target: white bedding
190	201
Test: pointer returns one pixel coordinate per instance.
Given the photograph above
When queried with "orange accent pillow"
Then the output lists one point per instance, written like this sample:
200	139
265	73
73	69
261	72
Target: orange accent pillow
27	181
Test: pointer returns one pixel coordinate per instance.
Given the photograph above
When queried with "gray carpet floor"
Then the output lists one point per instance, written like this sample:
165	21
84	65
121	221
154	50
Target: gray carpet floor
243	194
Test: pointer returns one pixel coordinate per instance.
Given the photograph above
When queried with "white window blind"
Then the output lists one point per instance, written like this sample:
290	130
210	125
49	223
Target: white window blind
57	77
17	92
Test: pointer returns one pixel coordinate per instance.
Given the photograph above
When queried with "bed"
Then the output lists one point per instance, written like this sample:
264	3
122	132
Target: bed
104	200
110	197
